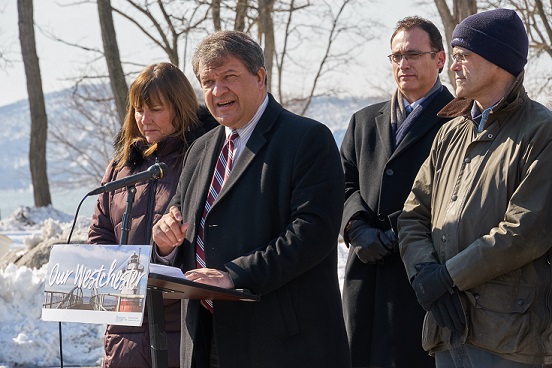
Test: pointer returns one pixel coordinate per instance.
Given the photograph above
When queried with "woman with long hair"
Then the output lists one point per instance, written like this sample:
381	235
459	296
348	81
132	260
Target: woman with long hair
162	120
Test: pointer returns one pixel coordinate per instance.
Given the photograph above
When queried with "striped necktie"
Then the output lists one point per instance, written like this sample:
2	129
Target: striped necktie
222	171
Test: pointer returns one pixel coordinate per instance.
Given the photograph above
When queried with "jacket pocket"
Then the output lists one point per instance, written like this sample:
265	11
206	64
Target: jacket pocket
434	338
288	312
430	333
499	318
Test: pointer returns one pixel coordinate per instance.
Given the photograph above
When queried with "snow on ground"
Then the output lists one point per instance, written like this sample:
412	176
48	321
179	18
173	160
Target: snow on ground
26	340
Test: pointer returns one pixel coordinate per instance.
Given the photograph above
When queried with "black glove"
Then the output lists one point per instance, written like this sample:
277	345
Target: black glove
371	244
430	283
447	311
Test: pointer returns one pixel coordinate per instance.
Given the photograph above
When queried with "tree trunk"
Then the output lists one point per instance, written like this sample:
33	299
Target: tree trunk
111	52
39	120
215	11
241	13
284	50
267	26
461	10
544	42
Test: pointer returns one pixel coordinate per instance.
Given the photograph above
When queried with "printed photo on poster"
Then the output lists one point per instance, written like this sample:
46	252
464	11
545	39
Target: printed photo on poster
103	284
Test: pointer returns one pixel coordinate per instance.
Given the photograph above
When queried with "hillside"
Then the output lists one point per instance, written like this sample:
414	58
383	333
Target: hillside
80	160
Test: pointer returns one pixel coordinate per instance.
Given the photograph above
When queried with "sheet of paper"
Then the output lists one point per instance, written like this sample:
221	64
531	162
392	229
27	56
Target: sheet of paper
166	270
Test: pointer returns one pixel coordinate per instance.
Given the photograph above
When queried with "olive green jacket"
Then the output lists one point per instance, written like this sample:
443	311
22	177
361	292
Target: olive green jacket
482	204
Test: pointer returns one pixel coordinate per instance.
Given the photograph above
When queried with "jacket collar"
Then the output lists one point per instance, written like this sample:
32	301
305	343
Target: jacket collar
258	139
462	106
170	146
429	116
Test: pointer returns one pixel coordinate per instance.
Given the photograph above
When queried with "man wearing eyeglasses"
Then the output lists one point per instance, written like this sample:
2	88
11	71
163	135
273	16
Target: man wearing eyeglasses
381	153
475	231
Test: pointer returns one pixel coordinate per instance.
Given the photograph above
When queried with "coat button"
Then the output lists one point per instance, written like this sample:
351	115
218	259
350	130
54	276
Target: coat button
381	217
467	160
520	302
389	172
443	239
476	296
490	136
454	197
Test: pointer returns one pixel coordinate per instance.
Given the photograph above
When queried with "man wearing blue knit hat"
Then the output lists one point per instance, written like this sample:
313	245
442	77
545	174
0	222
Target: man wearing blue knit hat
475	231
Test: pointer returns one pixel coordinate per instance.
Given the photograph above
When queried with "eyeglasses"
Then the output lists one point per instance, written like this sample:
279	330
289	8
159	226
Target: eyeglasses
460	57
411	56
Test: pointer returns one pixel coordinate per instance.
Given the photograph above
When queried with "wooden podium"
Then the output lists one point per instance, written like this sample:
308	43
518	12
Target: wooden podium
163	286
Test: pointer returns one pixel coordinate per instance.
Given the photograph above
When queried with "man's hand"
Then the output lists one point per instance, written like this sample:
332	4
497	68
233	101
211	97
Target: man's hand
210	276
370	244
430	283
169	231
448	312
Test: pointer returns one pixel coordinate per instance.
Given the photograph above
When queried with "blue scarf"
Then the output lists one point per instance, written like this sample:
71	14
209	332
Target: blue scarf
411	119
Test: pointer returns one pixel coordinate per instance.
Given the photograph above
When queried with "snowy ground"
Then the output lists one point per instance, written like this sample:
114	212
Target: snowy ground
25	340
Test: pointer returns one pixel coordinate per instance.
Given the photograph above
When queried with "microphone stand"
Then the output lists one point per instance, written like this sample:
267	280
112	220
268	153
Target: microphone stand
68	242
154	299
125	225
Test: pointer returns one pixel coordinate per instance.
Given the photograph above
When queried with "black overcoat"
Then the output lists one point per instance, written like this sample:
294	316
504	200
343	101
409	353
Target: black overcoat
383	318
274	228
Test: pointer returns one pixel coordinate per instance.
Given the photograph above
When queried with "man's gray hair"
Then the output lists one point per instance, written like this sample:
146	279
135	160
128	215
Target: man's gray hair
216	47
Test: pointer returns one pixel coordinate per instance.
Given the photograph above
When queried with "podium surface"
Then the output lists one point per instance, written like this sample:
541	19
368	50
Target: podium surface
170	283
180	288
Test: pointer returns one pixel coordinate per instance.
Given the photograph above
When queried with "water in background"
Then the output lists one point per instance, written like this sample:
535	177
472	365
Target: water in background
65	200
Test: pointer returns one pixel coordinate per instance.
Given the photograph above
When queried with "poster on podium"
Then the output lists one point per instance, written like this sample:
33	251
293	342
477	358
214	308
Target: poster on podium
92	283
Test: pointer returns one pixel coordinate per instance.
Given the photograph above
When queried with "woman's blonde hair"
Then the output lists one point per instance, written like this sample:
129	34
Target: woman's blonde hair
157	84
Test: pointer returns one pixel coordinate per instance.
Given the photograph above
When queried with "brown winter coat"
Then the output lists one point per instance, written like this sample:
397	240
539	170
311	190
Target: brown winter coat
481	204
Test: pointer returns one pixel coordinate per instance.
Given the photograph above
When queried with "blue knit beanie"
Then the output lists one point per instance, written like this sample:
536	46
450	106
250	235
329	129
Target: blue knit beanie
496	35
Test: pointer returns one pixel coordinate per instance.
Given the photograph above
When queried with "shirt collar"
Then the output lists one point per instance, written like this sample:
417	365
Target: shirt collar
481	117
245	131
416	103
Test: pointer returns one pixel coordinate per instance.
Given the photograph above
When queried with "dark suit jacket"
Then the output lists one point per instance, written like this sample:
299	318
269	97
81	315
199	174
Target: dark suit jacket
274	228
383	318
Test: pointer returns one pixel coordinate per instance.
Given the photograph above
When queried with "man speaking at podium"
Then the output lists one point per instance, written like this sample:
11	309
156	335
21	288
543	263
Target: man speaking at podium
258	207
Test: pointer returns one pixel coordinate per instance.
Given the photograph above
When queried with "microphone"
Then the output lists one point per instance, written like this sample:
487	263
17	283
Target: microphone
154	172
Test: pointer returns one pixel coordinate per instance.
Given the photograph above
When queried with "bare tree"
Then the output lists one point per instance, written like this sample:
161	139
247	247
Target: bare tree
164	22
266	29
241	12
450	18
86	135
4	59
333	34
328	25
540	29
111	52
283	27
39	120
537	17
215	11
